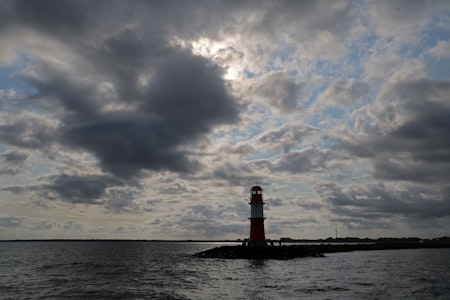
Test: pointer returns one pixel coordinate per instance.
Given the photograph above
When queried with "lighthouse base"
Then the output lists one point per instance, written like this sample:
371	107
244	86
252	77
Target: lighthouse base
257	235
258	244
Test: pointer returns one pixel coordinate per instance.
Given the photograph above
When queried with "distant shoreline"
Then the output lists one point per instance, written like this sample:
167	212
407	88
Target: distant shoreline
346	240
122	240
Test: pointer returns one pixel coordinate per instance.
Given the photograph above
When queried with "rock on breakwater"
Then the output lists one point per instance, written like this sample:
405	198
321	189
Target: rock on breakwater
295	251
249	252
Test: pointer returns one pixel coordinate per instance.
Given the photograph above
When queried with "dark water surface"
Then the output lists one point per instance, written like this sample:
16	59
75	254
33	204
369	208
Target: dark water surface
151	270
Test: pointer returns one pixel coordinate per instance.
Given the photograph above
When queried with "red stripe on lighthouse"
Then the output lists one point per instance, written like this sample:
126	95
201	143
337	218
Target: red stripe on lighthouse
257	231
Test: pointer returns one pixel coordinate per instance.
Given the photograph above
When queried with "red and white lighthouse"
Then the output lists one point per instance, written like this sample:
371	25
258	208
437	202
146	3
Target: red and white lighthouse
257	235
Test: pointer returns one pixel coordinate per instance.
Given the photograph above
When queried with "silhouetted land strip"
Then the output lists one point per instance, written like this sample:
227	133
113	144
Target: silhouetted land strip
294	251
344	240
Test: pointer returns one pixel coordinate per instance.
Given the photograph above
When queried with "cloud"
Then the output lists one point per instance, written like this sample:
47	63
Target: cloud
211	221
343	93
177	187
27	130
190	92
8	222
184	100
62	18
317	27
302	161
122	201
441	50
42	225
420	170
280	91
132	99
287	136
126	145
235	174
408	139
12	162
72	226
402	17
75	189
375	201
166	113
309	205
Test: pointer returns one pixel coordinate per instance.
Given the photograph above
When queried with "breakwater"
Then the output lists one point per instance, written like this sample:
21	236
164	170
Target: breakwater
295	251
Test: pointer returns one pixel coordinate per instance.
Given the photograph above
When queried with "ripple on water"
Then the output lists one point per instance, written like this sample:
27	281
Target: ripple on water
134	270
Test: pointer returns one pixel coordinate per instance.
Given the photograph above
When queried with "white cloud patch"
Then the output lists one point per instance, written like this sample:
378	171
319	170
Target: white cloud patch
441	50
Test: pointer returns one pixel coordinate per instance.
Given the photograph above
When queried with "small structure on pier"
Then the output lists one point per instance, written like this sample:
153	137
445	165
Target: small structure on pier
257	234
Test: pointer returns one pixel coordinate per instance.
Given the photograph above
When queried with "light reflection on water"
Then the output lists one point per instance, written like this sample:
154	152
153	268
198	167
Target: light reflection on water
149	270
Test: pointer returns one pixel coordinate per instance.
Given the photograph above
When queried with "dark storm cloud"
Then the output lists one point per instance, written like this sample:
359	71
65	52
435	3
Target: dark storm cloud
75	189
67	18
124	57
374	201
186	99
410	140
190	92
418	169
126	145
57	88
59	17
425	104
80	189
158	100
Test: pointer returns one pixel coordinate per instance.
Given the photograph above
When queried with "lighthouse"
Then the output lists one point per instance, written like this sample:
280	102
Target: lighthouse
257	235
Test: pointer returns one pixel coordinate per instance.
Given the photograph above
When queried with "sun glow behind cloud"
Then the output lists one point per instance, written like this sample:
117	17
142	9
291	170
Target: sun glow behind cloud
220	52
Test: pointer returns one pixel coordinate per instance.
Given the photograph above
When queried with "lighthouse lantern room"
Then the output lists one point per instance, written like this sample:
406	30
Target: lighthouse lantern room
257	235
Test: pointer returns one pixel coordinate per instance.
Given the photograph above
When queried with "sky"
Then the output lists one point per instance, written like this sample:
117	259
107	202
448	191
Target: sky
153	119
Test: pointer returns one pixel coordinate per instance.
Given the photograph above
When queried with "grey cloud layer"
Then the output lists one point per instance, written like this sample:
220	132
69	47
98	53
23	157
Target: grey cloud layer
380	201
114	93
408	139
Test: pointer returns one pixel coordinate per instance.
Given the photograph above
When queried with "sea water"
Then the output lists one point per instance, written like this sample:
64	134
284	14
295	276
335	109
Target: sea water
166	270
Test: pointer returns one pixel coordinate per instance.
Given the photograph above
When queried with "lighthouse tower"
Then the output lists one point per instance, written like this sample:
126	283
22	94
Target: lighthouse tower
257	235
